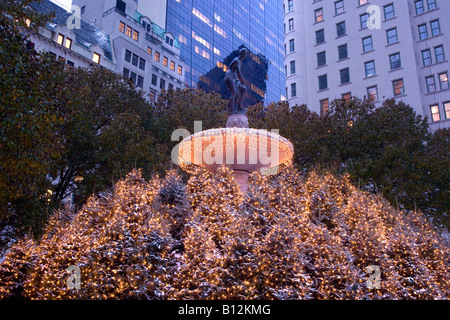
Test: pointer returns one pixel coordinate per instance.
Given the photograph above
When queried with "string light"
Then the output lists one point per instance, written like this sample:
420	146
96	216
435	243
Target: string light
288	237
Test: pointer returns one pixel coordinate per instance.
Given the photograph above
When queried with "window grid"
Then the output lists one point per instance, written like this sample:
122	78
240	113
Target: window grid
399	88
443	80
395	61
435	116
439	54
367	44
372	94
447	110
370	68
389	11
392	35
423	31
426	57
435	28
431	86
339	7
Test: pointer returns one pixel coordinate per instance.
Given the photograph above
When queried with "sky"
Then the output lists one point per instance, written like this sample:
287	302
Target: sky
63	3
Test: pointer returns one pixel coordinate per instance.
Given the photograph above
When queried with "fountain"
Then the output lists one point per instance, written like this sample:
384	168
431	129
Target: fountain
242	149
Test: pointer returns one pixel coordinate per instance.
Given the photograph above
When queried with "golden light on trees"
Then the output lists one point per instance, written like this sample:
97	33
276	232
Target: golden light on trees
289	237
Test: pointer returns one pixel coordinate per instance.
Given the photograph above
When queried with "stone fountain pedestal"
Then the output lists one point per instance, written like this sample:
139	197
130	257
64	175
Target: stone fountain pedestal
238	120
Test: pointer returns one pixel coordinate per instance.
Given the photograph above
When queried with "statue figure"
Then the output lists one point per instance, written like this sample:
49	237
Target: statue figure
235	83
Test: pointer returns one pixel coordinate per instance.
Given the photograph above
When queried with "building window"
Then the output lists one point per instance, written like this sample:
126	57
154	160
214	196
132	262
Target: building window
419	7
157	56
340	29
96	57
318	15
320	36
291	45
370	68
141	64
122	27
169	41
165	61
345	75
127	56
149	50
339	7
392	35
443	80
364	18
180	70
342	52
347	96
70	63
134	60
431	86
389	11
133	77
399	89
426	57
68	43
162	84
395	61
323	82
290	5
172	65
60	39
154	79
372	93
321	59
135	35
291	24
447	110
367	44
435	116
293	90
324	106
152	96
128	31
361	2
170	86
140	82
292	64
423	31
432	4
126	73
439	53
435	28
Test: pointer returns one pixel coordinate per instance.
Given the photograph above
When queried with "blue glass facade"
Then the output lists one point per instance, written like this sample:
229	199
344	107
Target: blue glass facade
210	33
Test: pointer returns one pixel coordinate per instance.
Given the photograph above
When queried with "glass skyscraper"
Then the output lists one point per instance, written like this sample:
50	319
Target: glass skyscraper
212	31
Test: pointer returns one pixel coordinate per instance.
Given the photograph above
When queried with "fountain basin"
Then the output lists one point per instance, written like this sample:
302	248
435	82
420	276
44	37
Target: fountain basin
244	150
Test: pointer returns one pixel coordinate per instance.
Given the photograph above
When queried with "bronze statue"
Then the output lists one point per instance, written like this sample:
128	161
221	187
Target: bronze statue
235	83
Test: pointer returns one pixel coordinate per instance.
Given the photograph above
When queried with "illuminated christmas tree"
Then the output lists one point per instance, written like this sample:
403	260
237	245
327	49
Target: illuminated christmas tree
288	237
